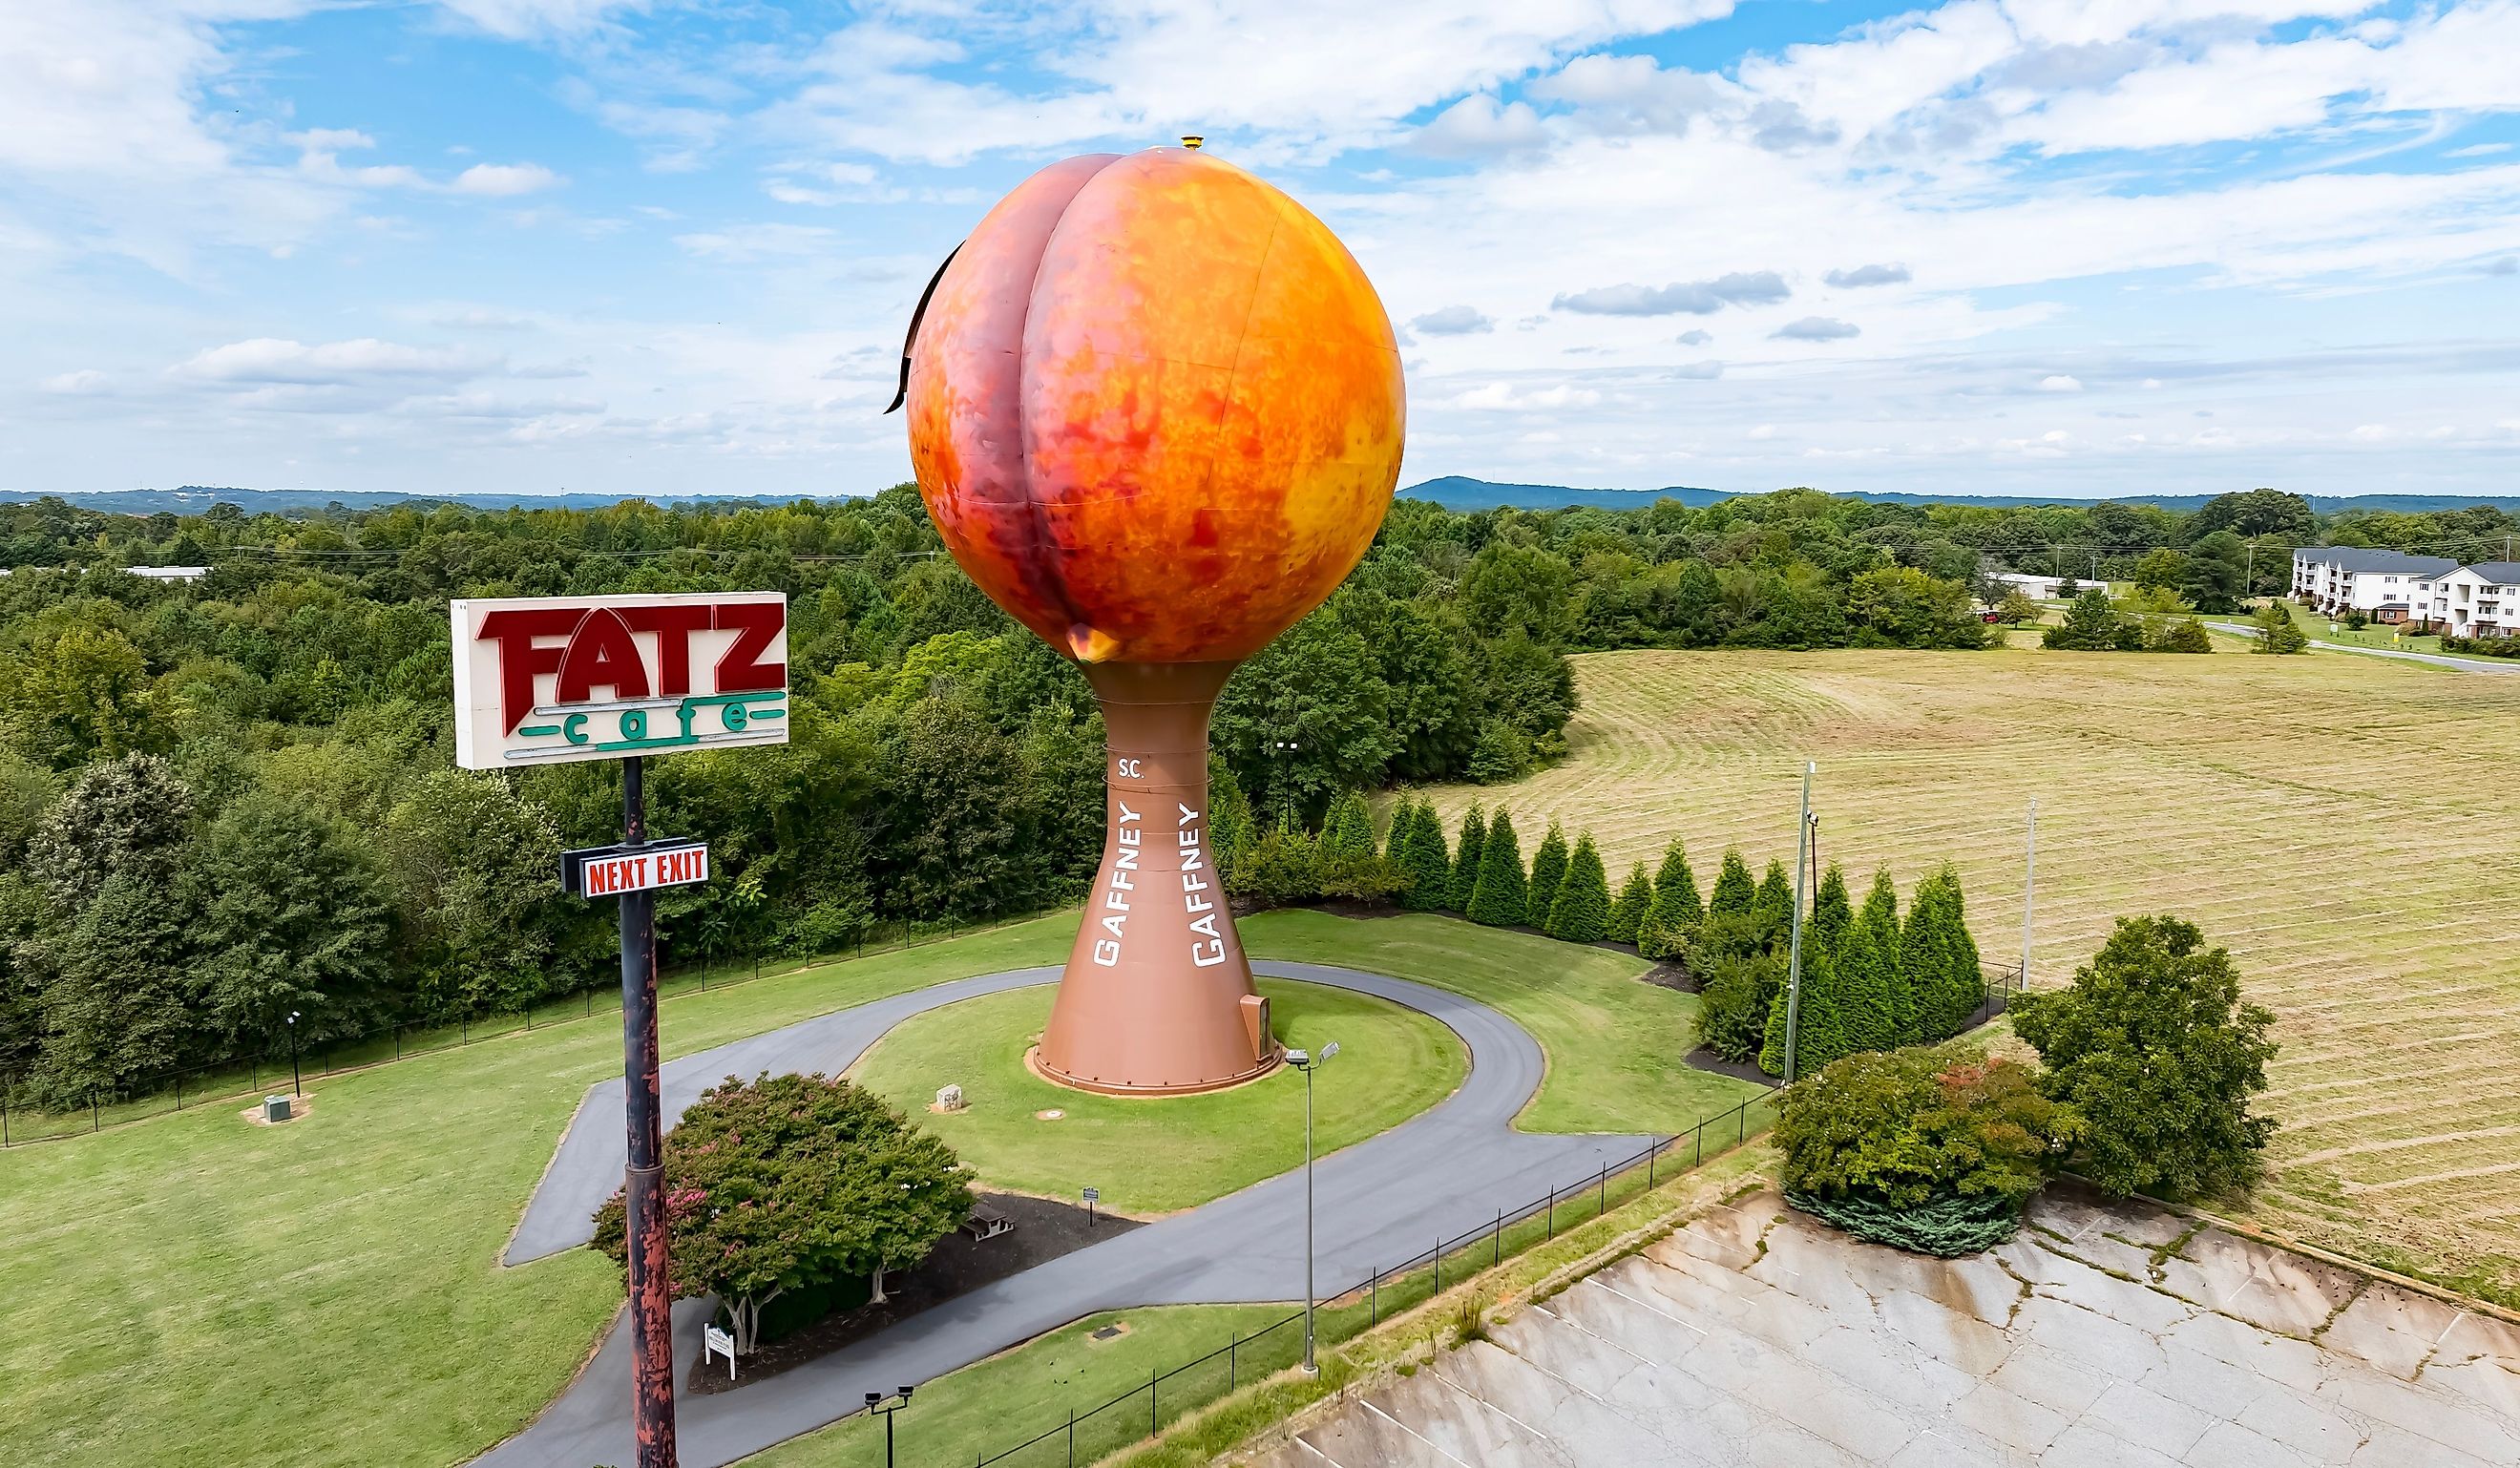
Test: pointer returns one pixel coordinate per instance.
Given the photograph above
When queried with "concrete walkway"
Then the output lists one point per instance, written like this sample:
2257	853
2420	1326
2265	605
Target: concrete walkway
2463	664
1381	1201
2109	1335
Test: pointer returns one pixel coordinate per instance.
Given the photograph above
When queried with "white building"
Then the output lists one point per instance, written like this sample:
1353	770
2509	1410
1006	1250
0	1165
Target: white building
2477	601
2387	586
2042	588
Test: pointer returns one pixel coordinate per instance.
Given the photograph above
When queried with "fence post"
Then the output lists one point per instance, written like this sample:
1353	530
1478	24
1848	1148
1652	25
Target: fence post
1653	1149
1604	1205
1742	1133
1373	1299
1439	1267
1697	1135
179	1090
95	1118
1071	1438
1553	1212
398	1042
1232	1360
464	1029
1496	1240
1150	1402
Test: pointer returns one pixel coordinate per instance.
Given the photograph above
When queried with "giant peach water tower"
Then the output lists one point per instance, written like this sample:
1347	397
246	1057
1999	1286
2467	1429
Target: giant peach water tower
1156	409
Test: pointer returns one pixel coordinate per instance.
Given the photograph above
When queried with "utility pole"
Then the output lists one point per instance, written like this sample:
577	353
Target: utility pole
1308	1063
2029	888
1794	950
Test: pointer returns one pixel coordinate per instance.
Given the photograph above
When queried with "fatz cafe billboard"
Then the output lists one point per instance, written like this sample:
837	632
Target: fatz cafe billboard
547	679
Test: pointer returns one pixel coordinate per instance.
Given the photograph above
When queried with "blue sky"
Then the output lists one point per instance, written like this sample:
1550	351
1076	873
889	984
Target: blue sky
2053	246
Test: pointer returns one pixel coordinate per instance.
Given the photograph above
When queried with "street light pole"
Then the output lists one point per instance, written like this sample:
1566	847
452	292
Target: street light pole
1794	950
1304	1061
875	1403
297	1084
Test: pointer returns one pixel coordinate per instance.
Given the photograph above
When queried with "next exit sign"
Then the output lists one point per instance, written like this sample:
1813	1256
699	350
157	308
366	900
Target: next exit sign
610	870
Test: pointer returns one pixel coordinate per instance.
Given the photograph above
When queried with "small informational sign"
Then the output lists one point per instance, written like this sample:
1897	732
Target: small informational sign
548	680
1093	1195
611	870
714	1340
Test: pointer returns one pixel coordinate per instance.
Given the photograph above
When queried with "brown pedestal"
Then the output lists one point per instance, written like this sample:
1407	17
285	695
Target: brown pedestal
1157	999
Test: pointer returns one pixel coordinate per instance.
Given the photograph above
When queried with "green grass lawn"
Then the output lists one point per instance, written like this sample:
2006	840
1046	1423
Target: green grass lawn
195	1289
1614	1042
192	1288
1155	1154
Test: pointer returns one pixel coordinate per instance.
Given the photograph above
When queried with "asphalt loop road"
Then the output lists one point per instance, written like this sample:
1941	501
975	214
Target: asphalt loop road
1381	1201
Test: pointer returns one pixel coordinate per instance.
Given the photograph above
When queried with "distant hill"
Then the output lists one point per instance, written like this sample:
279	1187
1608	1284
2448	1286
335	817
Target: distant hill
1457	492
193	498
1453	492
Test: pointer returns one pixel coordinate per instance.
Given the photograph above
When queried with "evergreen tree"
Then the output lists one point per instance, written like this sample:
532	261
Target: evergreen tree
1895	1019
1581	912
1504	888
1938	959
1466	857
1548	870
1672	918
1864	979
1734	893
1831	914
1421	856
1773	906
1347	831
1820	1027
1229	829
1630	910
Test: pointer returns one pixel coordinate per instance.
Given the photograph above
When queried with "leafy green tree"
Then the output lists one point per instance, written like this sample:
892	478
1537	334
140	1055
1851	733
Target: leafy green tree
2217	576
1628	913
1741	992
1501	755
2154	1047
2277	631
117	1009
2016	608
475	874
1902	606
1504	888
1938	959
1318	688
2161	568
2092	624
1548	870
1421	856
295	918
1580	912
1466	857
1883	1142
1281	868
2179	635
81	692
127	816
788	1182
954	809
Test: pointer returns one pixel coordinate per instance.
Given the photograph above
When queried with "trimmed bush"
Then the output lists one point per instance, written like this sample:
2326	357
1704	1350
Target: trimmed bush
1938	959
1672	918
1948	1227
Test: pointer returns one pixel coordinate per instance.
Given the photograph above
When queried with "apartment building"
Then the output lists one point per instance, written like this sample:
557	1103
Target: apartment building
2474	600
2386	586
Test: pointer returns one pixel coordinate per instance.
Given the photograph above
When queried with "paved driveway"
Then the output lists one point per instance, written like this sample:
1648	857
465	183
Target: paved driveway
1381	1201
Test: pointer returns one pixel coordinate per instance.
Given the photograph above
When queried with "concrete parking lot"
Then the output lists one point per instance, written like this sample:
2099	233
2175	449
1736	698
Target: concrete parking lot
2104	1336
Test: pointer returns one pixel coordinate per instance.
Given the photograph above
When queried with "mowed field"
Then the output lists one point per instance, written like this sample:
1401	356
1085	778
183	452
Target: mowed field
2346	825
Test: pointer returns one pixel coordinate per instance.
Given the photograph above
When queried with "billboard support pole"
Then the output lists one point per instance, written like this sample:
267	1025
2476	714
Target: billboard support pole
642	1185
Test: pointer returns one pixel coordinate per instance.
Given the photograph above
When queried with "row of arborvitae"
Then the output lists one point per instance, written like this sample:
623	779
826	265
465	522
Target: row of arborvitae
2148	1064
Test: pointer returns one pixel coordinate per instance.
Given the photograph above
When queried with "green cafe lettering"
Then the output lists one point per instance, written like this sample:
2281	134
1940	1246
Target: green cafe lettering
547	679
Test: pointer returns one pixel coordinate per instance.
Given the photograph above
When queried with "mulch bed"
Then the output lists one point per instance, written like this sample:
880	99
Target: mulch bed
1044	1231
1702	1058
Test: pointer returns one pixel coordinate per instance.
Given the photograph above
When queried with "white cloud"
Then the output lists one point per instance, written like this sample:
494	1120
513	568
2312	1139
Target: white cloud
1816	329
1695	339
1503	397
521	20
1867	275
1695	297
2059	382
266	360
1453	321
1478	127
84	381
746	243
505	179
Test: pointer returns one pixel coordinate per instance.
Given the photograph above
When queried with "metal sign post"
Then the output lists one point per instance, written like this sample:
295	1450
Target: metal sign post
561	679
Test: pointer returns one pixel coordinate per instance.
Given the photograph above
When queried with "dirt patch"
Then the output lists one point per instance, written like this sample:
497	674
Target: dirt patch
1702	1058
1674	973
1044	1231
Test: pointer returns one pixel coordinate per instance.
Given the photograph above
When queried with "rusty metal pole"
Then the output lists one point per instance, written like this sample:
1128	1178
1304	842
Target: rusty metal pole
651	1302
